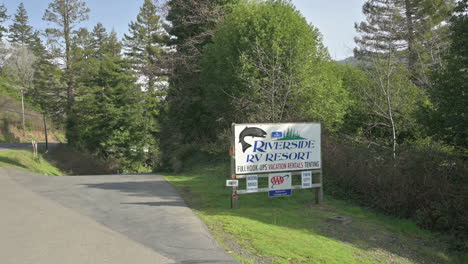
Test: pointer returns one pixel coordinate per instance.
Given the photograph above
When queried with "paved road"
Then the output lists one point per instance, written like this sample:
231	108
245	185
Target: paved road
11	146
141	210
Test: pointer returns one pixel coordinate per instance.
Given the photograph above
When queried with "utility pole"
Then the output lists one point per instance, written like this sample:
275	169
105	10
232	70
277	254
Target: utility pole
45	133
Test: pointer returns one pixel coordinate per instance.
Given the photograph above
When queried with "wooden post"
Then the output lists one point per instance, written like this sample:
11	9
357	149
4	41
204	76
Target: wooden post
319	190
34	146
234	195
234	199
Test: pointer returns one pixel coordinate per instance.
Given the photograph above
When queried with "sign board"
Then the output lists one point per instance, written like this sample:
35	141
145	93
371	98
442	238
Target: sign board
232	183
306	179
264	148
252	183
280	193
279	184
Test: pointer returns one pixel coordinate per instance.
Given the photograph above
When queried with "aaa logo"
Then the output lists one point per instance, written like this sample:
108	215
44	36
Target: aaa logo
277	180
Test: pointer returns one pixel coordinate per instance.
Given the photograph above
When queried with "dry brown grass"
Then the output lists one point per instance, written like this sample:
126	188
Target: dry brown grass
73	162
11	130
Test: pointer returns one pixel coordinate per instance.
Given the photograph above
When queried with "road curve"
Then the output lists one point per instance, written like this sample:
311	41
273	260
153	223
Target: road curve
13	146
99	219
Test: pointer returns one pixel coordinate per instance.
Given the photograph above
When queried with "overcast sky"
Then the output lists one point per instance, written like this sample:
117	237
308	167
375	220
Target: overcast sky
334	18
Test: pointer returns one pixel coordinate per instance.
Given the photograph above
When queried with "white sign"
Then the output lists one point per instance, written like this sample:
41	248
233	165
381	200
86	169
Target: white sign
279	181
263	148
232	183
306	179
252	183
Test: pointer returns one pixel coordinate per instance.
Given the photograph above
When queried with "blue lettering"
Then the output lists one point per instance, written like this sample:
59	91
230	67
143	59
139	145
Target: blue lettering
301	155
294	144
269	157
259	148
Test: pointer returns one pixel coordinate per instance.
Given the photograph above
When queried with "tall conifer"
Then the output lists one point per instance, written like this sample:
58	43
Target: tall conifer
3	18
412	29
20	30
65	15
144	44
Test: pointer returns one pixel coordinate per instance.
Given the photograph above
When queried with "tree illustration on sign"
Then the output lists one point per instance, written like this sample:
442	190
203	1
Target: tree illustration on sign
291	134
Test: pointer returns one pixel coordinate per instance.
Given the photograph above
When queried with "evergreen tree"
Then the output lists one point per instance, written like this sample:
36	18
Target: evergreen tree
48	90
144	45
193	23
112	47
3	18
66	15
20	30
98	39
413	29
448	119
110	117
37	46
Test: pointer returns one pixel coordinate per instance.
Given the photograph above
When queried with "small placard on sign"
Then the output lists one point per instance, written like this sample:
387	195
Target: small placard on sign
280	193
232	183
252	183
306	179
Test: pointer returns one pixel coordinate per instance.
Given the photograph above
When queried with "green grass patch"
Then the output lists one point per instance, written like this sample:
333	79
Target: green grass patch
295	230
24	159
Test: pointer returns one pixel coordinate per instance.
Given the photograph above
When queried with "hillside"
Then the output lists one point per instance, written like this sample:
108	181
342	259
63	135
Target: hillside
10	123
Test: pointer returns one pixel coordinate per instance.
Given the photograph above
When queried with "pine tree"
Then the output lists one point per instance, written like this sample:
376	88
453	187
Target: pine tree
112	47
21	33
144	45
98	39
413	29
20	30
36	45
48	89
448	119
110	121
66	15
3	18
193	23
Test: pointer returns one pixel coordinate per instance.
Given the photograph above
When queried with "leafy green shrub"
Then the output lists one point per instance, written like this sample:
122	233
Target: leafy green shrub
427	184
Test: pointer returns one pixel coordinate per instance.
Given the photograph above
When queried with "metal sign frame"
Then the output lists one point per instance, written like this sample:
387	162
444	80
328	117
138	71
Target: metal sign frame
317	174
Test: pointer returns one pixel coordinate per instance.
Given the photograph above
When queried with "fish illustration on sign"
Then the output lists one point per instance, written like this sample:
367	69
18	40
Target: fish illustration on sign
250	132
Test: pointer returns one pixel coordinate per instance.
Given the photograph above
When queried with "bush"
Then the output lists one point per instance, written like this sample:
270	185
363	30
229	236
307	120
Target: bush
426	184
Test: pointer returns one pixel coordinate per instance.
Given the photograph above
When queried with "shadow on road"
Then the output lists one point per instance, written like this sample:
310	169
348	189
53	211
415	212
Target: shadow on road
171	203
147	188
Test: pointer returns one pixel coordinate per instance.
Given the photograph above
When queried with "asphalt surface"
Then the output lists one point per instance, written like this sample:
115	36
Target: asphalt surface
143	209
11	146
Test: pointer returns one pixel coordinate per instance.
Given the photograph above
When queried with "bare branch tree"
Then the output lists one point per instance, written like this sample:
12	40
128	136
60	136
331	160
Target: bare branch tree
271	82
19	67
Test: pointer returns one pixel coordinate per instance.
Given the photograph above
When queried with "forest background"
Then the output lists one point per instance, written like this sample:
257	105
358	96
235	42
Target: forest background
394	115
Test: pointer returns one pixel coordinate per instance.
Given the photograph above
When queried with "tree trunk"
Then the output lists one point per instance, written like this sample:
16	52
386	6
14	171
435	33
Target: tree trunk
412	55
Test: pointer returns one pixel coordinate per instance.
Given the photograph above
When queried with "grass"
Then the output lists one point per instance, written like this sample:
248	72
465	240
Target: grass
24	159
59	161
295	230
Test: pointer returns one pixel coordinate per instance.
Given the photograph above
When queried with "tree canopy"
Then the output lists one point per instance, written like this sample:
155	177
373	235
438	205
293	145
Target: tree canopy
266	63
